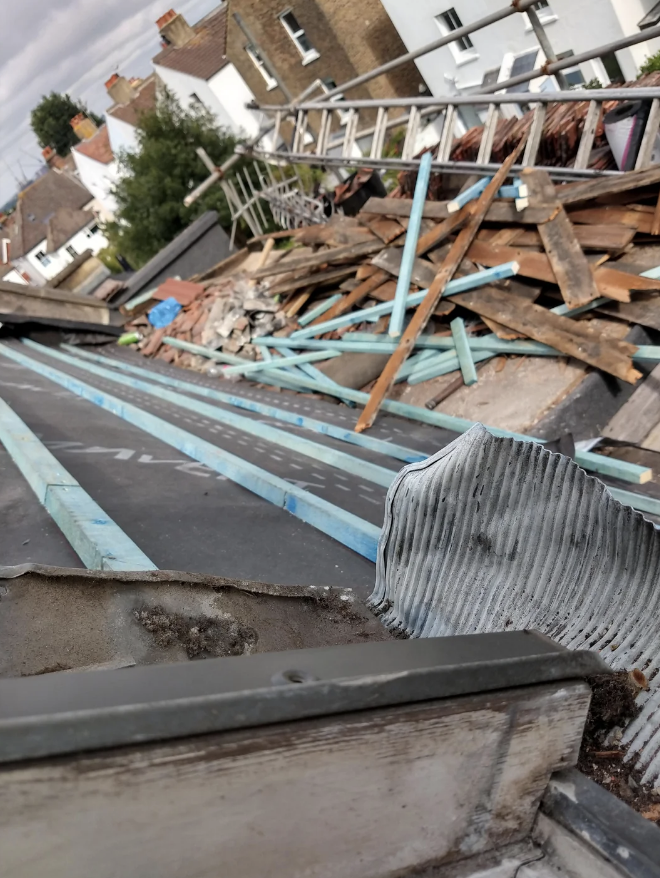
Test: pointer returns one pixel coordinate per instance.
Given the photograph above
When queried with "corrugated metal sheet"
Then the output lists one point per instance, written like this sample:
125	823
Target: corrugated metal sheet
494	534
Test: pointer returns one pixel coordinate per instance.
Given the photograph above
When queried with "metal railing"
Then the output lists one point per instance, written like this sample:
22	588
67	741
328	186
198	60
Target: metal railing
339	150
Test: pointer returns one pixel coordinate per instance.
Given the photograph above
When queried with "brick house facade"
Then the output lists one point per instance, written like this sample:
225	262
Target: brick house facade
307	40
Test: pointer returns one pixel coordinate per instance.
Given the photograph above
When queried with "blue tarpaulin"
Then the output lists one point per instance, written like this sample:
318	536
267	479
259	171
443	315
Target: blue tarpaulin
164	313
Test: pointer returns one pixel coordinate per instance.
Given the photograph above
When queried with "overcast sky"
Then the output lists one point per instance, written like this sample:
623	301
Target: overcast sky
70	46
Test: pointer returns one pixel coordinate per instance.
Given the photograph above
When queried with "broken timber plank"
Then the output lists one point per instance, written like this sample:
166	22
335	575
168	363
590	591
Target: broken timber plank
322	277
386	229
574	277
590	189
504	212
611	282
590	237
475	211
559	332
354	298
385	293
628	216
423	272
645	310
323	257
639	415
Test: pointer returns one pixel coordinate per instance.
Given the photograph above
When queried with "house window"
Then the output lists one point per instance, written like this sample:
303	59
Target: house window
544	11
258	62
299	37
92	230
524	63
612	67
71	250
329	85
43	259
573	75
196	102
449	21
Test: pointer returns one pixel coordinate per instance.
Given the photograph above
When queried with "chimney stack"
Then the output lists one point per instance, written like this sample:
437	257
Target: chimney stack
83	127
120	89
174	29
52	159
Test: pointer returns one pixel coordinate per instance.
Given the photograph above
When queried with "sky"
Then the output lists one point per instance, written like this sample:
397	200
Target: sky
70	46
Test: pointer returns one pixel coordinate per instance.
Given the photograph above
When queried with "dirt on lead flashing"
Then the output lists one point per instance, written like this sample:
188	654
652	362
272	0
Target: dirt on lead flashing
199	636
602	755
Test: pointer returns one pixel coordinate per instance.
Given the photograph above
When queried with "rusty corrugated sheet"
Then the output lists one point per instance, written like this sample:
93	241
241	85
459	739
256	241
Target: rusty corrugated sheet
495	534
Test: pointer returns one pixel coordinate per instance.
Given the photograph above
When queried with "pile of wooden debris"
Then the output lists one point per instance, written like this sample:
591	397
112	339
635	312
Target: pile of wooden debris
513	282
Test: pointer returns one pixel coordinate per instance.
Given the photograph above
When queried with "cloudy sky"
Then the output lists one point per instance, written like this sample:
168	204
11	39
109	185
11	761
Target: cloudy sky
70	46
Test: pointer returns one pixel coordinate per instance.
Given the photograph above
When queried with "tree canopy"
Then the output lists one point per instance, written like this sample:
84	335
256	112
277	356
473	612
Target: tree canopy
51	121
156	179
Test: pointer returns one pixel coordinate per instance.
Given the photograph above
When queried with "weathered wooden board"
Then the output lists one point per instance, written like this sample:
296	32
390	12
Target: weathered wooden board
383	227
423	273
644	309
571	338
379	792
611	283
639	414
338	232
317	279
21	302
385	293
590	189
589	237
344	305
501	212
574	276
322	257
639	220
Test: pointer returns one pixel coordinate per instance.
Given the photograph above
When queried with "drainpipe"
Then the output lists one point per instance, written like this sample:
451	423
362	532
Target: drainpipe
270	67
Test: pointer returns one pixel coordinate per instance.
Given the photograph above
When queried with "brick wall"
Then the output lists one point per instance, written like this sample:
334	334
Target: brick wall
351	38
369	40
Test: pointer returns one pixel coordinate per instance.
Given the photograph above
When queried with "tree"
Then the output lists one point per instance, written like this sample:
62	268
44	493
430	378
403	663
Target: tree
51	121
651	64
156	179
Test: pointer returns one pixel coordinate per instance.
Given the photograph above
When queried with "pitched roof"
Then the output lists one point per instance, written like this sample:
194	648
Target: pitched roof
144	100
64	224
97	147
206	53
38	203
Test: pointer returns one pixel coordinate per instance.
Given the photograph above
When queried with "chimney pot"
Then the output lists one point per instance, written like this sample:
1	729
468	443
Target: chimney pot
84	127
174	29
120	89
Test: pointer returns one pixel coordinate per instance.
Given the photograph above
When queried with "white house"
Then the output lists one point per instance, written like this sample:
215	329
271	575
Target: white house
509	47
54	223
130	99
193	65
97	169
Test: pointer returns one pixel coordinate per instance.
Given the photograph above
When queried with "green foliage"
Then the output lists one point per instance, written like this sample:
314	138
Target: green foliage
108	257
157	178
650	65
593	83
51	121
